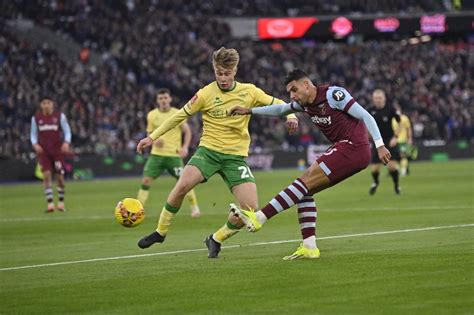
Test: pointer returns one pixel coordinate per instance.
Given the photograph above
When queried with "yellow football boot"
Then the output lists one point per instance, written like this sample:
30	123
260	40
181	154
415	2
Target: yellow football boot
248	216
303	252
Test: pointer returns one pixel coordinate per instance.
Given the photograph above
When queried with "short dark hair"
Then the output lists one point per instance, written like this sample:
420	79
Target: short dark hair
46	98
163	91
294	75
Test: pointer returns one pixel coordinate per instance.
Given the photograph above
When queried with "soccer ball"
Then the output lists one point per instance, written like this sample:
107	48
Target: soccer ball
129	212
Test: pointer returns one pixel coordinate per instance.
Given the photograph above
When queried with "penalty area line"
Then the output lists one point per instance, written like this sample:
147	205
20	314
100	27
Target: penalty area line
74	262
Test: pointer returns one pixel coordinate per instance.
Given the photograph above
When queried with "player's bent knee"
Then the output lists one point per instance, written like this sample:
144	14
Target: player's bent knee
315	179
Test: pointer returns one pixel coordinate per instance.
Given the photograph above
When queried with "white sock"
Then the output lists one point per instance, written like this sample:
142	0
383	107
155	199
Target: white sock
310	242
261	218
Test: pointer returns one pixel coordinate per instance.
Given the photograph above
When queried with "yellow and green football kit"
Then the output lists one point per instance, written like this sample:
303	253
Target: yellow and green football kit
166	156
406	150
224	142
222	134
405	127
171	140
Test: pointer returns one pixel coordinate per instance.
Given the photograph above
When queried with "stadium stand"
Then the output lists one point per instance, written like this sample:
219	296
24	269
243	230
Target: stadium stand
106	104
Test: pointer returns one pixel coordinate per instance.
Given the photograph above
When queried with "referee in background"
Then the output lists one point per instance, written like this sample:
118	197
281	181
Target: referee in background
383	115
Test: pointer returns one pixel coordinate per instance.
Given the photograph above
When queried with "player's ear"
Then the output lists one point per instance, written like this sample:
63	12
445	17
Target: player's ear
306	84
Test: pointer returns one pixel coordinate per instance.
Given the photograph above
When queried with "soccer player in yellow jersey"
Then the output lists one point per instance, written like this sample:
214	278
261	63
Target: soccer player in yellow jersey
168	151
405	141
223	147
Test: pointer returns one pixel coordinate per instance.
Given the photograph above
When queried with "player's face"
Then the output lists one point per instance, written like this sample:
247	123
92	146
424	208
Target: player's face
225	77
164	101
47	106
378	98
299	91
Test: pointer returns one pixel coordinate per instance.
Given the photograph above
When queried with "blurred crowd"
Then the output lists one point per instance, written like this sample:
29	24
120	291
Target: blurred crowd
41	9
106	110
143	49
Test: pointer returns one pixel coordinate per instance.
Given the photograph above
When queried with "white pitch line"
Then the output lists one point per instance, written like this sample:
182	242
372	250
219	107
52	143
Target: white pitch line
235	246
65	217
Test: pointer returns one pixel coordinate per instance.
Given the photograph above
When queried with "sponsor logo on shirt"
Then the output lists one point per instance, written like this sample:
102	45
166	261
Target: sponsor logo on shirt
217	113
338	95
48	128
326	120
217	100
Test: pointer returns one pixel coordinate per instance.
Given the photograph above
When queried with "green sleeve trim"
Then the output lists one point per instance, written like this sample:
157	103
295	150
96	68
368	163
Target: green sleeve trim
273	100
184	109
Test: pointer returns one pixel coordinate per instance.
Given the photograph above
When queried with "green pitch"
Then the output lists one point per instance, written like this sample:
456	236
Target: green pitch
82	261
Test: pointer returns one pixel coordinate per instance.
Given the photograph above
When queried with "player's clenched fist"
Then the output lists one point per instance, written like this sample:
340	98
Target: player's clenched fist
238	110
291	125
384	154
144	143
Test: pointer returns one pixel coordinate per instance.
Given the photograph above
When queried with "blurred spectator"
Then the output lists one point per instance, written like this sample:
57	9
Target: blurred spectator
44	9
144	48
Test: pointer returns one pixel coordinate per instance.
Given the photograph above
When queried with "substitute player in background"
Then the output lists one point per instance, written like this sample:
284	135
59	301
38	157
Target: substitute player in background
50	136
345	123
383	114
223	147
404	140
168	151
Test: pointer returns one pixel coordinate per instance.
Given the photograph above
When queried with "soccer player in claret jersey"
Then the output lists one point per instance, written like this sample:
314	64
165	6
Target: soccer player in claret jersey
344	122
223	147
50	147
168	151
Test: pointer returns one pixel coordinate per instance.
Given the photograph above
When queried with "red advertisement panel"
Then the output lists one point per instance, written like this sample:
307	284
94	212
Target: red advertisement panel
284	27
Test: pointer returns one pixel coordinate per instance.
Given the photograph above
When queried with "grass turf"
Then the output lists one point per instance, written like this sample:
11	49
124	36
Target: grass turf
423	272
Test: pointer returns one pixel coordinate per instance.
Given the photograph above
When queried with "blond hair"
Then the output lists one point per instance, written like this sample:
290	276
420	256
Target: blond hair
225	58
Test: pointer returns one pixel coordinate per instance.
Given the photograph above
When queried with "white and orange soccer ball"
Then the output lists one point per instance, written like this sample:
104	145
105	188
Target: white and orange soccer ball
129	212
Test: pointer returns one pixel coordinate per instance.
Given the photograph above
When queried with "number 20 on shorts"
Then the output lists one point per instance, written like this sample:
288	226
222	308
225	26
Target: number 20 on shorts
245	172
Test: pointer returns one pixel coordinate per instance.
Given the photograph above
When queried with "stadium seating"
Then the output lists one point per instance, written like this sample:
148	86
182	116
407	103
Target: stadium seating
106	105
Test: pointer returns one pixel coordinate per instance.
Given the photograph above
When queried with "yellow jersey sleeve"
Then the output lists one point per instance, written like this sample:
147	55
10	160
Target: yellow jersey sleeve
394	124
405	127
262	99
149	123
195	104
407	121
169	124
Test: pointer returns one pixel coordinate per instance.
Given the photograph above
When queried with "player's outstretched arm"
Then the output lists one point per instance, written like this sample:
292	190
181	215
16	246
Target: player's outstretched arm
359	112
66	132
169	124
271	110
34	137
